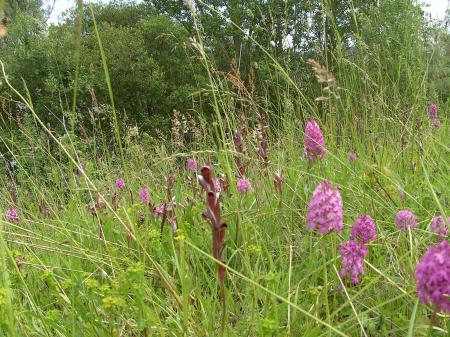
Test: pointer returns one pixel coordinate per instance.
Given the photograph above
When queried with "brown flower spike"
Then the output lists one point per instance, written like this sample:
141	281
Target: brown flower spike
212	213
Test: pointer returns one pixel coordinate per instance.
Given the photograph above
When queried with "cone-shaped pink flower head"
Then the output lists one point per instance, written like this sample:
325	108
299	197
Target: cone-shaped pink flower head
160	210
144	195
405	219
364	229
191	165
433	110
352	254
325	209
436	123
314	144
352	156
243	185
120	183
433	277
12	215
439	226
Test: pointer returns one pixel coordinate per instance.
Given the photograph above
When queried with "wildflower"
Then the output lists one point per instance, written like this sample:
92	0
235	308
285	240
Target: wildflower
144	195
12	215
120	183
325	209
314	144
436	123
352	254
433	277
160	210
433	110
243	185
405	219
438	226
352	156
191	165
217	185
364	229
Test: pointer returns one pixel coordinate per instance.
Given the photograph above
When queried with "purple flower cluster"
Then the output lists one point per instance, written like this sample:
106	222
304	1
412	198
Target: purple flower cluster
433	110
352	254
160	210
436	123
325	209
352	156
314	143
12	215
439	226
144	195
433	277
191	165
364	230
433	113
120	183
405	219
243	185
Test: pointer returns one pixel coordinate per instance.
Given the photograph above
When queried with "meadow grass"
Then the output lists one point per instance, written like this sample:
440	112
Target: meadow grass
89	259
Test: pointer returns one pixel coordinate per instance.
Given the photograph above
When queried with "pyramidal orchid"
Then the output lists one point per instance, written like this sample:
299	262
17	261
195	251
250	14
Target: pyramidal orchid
243	185
325	209
120	183
433	277
352	156
12	215
191	165
364	229
405	219
352	254
439	226
433	110
144	195
314	143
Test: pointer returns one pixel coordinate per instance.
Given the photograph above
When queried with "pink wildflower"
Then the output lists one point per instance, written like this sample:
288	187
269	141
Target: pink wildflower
406	219
433	110
243	185
364	229
120	183
314	143
352	254
438	226
436	123
160	210
433	277
12	215
352	156
191	165
325	209
144	195
217	185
